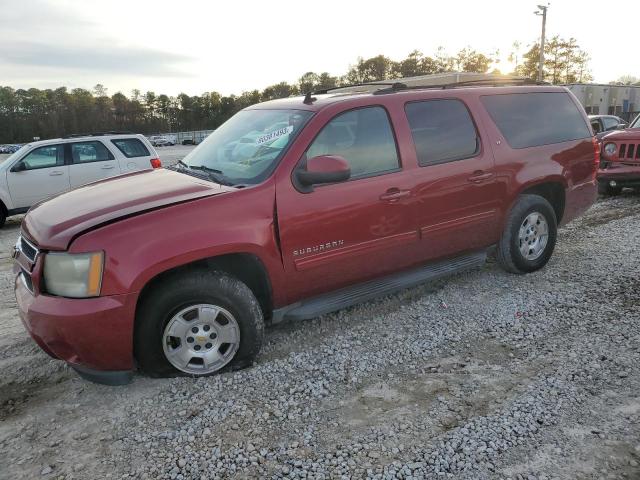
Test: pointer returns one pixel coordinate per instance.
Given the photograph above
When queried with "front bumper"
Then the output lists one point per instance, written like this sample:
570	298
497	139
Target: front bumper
621	174
93	335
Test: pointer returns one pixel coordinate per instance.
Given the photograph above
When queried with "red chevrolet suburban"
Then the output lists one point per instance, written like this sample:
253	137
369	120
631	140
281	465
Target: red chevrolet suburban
294	208
620	165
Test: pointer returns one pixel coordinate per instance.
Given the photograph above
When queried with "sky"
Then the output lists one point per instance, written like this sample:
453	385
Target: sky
197	46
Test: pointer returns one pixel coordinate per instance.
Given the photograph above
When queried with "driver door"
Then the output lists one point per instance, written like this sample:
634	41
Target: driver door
343	233
38	175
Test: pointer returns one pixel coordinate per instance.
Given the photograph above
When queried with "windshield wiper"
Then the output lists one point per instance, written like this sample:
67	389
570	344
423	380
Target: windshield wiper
182	164
214	174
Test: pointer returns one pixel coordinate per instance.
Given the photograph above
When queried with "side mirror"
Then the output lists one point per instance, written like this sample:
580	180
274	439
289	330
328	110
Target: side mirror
19	167
622	126
323	169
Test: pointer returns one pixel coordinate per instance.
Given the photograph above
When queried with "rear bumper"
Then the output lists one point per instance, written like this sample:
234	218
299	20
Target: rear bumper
93	335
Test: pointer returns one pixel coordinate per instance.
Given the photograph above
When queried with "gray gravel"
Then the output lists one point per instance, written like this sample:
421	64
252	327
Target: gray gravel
482	375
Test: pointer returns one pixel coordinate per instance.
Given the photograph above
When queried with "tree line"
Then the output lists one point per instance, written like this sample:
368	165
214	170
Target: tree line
50	113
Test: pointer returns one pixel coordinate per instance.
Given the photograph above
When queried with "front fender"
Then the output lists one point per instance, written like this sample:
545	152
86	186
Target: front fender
139	248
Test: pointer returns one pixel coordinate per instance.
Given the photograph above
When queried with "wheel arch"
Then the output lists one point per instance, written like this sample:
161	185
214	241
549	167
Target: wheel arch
246	267
553	190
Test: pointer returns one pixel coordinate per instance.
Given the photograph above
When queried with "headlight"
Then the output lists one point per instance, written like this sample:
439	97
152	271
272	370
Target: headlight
73	275
610	149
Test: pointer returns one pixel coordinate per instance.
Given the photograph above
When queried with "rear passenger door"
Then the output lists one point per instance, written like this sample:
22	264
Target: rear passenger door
457	201
90	161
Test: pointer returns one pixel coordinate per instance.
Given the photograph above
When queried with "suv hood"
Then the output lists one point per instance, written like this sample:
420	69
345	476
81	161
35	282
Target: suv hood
54	223
622	135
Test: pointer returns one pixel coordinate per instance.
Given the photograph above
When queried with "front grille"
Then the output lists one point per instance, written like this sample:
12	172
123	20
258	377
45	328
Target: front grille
28	249
629	151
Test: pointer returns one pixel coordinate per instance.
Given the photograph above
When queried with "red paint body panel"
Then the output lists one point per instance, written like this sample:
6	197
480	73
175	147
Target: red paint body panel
54	223
309	243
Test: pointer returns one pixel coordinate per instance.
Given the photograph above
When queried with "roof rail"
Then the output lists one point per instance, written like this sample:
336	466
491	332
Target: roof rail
468	83
412	83
96	134
353	85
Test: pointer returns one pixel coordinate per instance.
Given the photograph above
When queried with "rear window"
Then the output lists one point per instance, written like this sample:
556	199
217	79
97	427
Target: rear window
131	147
532	119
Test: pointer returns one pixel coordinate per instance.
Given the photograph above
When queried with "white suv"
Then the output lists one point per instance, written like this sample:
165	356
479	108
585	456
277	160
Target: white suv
42	169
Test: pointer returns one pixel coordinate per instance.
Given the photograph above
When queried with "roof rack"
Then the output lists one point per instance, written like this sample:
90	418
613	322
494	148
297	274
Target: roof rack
96	134
353	85
432	81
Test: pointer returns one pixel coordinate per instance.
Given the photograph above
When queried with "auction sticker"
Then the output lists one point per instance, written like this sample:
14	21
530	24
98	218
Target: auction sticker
267	137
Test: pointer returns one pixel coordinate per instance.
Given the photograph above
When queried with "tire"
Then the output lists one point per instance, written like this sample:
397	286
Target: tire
606	189
202	299
3	217
509	254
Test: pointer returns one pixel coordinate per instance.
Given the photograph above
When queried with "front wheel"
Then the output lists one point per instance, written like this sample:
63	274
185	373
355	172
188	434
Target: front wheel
197	323
529	236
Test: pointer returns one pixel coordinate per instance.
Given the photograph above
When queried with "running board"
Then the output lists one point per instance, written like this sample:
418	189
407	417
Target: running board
363	292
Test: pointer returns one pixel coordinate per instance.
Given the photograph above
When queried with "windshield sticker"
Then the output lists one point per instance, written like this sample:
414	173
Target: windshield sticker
273	135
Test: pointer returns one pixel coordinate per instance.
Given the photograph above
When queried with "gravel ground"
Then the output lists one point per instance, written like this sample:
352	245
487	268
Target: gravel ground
483	375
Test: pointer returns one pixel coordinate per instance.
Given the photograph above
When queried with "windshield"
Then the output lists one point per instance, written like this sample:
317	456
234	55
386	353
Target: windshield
248	146
635	123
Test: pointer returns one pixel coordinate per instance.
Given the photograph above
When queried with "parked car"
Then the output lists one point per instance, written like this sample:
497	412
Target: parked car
40	170
161	141
345	197
603	124
620	165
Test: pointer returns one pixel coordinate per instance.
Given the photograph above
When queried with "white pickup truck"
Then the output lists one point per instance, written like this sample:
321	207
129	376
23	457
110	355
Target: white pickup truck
40	170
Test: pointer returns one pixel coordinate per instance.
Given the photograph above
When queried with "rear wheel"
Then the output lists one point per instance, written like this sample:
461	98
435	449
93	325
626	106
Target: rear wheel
606	189
529	236
198	323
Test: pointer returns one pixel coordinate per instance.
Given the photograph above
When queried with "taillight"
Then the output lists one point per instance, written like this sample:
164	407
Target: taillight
156	163
596	156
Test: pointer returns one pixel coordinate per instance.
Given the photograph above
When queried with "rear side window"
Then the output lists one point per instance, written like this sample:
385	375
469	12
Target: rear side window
131	147
86	152
363	137
532	119
442	131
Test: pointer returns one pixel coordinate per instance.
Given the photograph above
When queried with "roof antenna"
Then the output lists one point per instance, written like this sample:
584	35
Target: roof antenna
308	99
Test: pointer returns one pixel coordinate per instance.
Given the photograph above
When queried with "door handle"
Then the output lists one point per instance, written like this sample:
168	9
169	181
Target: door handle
394	194
480	176
55	173
107	167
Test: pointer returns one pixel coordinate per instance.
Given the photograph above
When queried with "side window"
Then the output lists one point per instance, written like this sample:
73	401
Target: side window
610	123
595	124
85	152
131	147
44	157
442	131
536	118
363	137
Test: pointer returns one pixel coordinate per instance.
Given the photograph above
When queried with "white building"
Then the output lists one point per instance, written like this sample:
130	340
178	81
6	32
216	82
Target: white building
604	99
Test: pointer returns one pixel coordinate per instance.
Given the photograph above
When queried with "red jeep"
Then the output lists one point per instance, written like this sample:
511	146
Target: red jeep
620	164
295	208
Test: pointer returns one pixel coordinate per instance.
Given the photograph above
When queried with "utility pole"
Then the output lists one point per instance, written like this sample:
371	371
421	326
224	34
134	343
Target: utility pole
542	11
